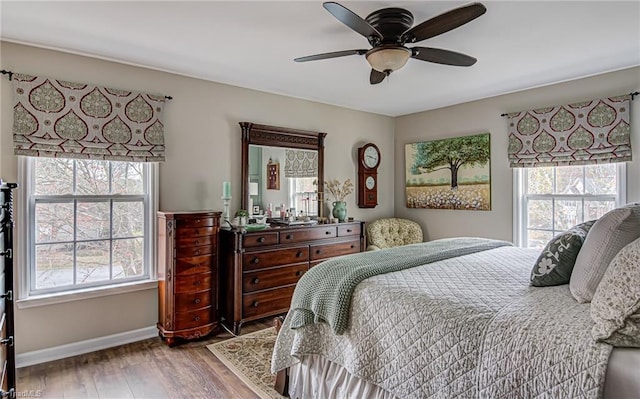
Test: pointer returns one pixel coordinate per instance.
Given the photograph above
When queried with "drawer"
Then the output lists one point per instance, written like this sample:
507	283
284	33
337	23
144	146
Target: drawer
194	265
272	278
336	249
195	241
194	232
193	283
194	301
260	239
182	252
193	319
267	302
349	230
190	222
275	257
312	234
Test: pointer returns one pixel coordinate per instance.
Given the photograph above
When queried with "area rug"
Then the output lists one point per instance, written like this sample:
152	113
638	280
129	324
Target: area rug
249	357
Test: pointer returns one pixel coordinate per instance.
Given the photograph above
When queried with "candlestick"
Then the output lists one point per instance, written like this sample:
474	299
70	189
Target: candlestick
226	189
225	212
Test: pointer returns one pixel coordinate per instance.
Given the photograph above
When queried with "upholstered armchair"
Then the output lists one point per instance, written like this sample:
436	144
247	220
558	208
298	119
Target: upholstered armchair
392	232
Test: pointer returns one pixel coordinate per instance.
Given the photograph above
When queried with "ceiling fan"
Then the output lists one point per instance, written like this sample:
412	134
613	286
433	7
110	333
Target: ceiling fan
388	30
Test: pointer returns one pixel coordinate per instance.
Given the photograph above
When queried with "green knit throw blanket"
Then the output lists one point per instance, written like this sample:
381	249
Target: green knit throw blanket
324	293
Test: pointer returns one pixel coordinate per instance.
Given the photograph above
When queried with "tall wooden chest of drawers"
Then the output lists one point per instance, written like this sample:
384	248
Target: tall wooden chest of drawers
259	269
187	274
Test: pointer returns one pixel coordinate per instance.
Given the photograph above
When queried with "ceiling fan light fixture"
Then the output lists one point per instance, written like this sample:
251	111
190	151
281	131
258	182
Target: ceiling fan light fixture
388	58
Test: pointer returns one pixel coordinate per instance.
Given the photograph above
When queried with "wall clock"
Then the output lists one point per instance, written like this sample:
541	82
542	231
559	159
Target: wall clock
368	162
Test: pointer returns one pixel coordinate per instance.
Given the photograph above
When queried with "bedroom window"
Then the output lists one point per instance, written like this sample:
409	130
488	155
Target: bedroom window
302	195
90	223
550	200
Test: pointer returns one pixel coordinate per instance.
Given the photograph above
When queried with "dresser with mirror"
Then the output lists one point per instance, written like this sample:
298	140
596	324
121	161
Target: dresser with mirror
261	263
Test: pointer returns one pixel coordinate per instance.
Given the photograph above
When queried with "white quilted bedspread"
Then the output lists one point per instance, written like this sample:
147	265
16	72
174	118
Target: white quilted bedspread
467	327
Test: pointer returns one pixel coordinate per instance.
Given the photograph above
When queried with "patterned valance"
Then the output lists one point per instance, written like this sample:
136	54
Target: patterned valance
56	118
590	132
299	163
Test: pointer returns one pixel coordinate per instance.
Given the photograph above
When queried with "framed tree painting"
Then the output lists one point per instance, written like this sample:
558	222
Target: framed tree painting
449	174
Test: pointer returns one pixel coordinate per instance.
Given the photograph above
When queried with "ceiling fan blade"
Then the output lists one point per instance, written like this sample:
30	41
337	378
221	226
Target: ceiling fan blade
351	19
334	54
444	22
376	77
440	56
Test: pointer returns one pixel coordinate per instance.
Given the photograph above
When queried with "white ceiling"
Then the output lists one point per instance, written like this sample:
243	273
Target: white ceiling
518	45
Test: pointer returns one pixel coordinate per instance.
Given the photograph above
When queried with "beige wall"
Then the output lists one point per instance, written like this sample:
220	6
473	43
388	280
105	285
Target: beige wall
203	149
484	115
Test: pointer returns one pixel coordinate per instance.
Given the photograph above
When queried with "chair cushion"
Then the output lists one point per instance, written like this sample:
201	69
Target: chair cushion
606	238
556	261
393	232
615	307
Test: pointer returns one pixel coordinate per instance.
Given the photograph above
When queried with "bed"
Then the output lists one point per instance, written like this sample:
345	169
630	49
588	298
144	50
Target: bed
467	325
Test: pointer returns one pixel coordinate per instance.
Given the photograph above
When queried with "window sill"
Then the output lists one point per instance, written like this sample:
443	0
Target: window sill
51	299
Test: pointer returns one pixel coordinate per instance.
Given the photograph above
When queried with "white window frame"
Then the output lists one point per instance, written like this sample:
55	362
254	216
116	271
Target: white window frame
520	199
26	234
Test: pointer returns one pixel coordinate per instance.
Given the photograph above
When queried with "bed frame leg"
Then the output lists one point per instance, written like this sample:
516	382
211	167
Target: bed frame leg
282	382
282	378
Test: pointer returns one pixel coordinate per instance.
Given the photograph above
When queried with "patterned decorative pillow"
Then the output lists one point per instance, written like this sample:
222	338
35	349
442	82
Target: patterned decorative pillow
615	307
607	237
555	263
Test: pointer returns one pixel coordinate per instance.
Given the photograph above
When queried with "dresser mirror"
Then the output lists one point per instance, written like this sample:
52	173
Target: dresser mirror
282	166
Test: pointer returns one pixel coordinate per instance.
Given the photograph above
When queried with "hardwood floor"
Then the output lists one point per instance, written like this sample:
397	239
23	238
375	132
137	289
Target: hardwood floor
145	369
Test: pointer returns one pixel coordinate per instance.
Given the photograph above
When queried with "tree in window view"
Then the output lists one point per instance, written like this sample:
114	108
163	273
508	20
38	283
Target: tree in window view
91	221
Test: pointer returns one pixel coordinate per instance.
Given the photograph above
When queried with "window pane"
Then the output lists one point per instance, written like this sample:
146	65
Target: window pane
92	177
601	179
567	214
128	219
595	209
539	238
540	214
540	180
128	258
54	222
93	220
54	265
569	180
53	176
127	177
92	258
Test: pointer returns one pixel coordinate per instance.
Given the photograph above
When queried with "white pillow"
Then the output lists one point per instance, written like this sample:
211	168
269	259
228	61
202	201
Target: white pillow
615	307
606	238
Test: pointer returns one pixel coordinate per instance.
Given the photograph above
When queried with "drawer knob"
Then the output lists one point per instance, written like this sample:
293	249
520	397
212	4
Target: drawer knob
261	239
256	280
197	242
349	230
197	282
255	260
299	273
197	220
299	254
327	232
197	300
317	251
255	304
288	237
197	318
197	252
352	246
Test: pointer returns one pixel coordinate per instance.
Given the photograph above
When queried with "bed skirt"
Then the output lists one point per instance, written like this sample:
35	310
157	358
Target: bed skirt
316	377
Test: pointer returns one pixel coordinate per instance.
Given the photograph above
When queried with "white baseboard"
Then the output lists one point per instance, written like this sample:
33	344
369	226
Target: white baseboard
78	348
